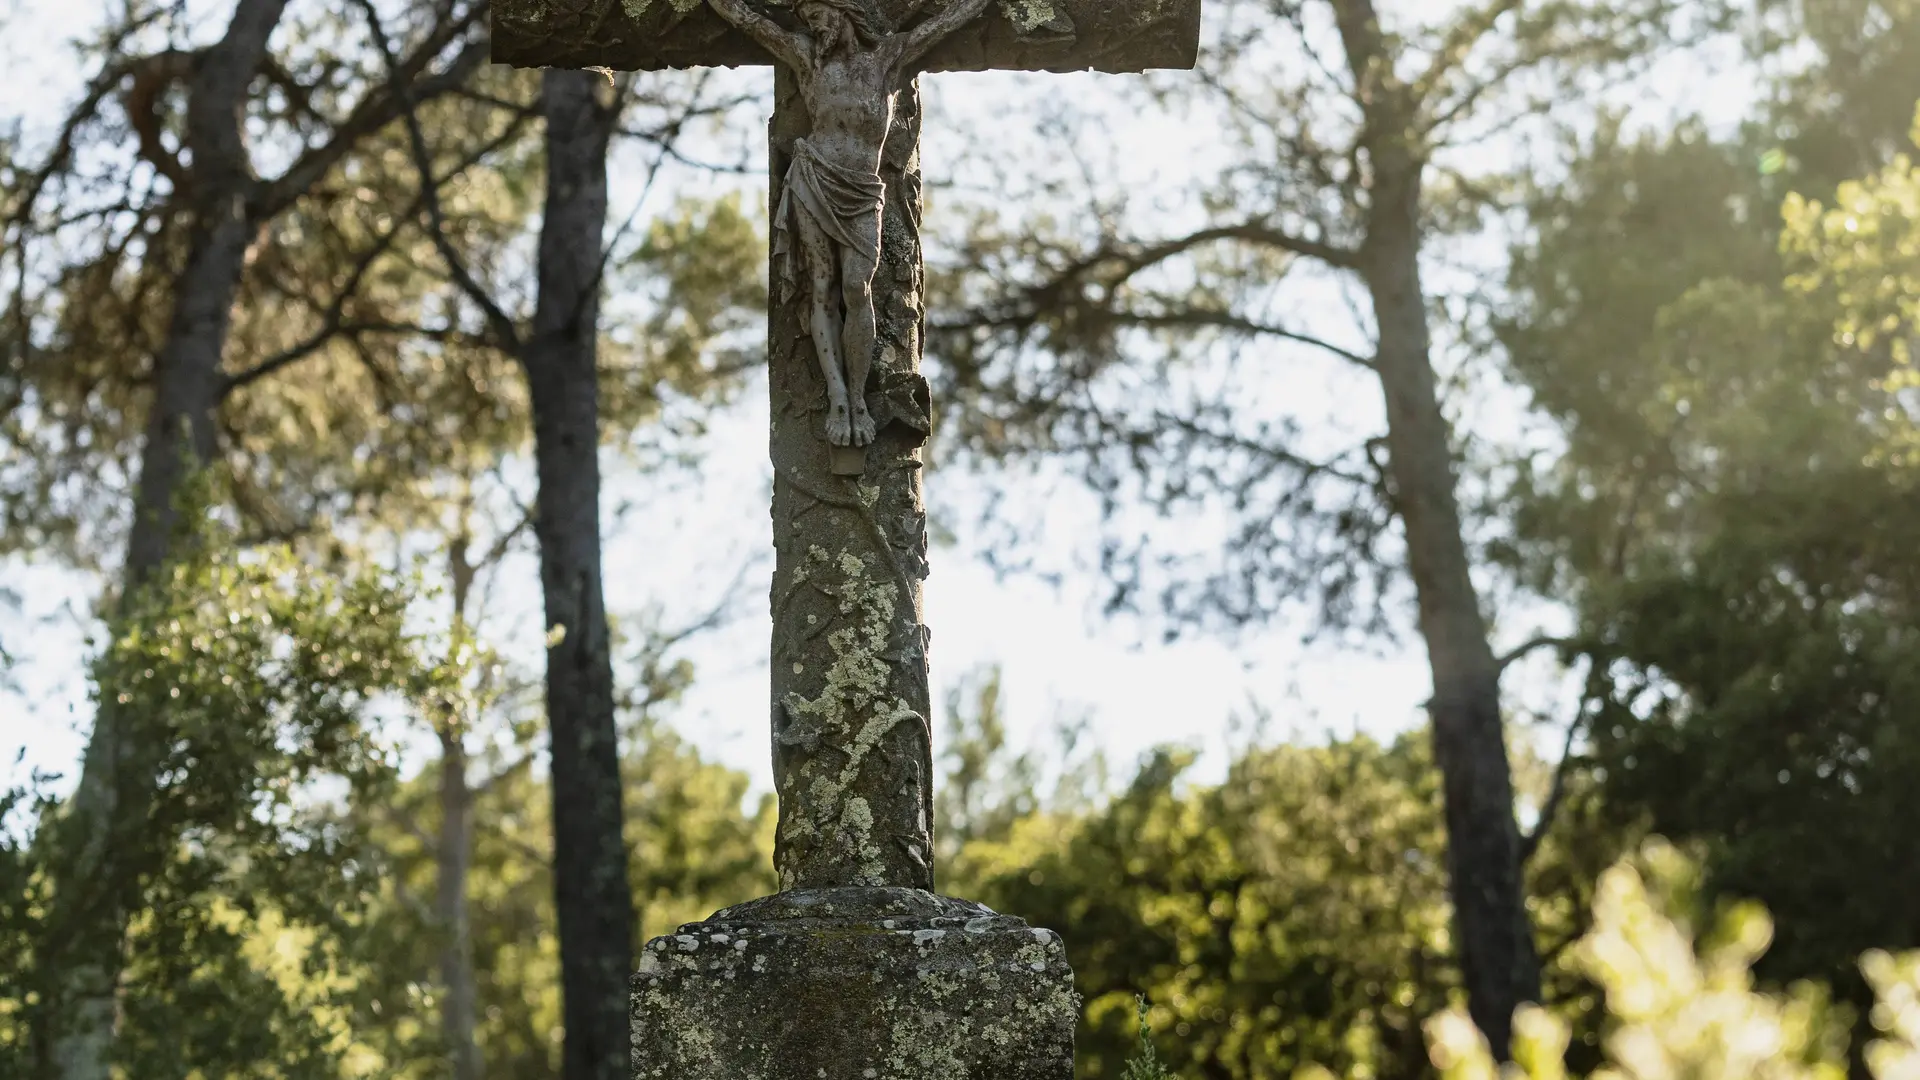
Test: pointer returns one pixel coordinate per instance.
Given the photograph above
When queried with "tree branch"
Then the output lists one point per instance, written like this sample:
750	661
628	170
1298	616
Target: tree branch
151	77
505	773
62	150
1467	31
1555	793
1261	233
1227	320
1531	645
498	321
333	322
377	110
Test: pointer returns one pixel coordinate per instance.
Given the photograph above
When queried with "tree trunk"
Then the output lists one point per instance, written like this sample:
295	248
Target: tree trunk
851	743
460	1002
591	891
103	854
1494	936
459	1008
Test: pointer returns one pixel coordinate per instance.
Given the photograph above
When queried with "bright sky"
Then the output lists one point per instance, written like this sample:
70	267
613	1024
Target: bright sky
1059	659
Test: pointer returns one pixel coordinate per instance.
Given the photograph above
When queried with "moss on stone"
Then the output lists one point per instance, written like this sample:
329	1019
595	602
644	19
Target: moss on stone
1028	15
852	713
855	984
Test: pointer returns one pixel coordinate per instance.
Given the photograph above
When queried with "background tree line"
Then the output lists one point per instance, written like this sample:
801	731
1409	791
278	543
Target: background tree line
305	339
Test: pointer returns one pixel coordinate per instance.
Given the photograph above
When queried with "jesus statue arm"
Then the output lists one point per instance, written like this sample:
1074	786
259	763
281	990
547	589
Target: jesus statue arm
791	49
918	40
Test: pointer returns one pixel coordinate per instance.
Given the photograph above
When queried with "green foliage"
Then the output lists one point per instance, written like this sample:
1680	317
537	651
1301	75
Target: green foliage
1145	1064
342	290
1733	511
21	918
262	673
694	847
1859	259
285	926
250	685
1295	913
705	261
257	672
1734	517
1685	1007
986	788
1680	1001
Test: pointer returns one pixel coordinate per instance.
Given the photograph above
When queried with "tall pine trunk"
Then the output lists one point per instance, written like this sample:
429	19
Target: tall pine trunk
1494	937
453	856
459	1011
591	891
102	853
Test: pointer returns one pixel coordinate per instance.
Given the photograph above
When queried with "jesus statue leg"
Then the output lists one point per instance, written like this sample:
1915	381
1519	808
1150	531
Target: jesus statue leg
826	325
856	284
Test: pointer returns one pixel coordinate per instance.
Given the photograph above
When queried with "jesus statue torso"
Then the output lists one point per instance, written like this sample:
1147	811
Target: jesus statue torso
849	93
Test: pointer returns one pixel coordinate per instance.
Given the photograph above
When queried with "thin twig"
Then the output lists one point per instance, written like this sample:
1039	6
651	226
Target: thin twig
502	325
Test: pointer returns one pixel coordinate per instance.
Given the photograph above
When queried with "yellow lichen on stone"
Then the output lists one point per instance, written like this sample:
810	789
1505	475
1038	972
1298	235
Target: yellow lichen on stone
1027	15
856	831
635	9
850	712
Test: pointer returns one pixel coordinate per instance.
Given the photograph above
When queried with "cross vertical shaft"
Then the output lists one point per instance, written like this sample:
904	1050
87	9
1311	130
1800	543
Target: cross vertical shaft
852	750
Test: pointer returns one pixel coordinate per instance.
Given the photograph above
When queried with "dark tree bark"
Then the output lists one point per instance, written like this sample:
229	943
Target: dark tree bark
851	743
104	854
453	855
591	891
187	384
458	1013
1495	939
1498	961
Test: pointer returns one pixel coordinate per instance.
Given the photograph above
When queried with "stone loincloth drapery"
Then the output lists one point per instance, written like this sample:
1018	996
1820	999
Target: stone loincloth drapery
845	204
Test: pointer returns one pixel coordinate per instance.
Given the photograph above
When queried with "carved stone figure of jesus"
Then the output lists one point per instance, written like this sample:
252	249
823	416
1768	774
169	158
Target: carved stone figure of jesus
849	67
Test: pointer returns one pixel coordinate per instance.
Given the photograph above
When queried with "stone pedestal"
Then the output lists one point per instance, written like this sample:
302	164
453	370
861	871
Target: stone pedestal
855	984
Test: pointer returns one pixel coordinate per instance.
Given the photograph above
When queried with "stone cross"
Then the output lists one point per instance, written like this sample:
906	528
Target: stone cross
856	970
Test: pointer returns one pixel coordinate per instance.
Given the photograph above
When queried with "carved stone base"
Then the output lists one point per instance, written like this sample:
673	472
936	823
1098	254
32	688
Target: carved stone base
855	984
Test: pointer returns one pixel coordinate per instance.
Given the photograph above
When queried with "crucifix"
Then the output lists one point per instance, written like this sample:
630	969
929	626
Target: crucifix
856	969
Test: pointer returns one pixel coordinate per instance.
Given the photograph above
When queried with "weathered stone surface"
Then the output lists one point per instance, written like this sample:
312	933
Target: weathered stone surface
855	984
1018	35
852	747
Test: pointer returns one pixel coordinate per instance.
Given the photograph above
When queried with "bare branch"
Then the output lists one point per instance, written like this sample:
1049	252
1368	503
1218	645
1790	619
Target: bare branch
402	818
505	540
333	322
1468	30
151	77
501	775
1532	645
1227	320
378	109
1555	794
1308	468
61	153
403	92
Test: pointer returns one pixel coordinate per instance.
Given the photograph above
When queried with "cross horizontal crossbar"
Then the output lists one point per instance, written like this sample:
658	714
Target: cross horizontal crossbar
1015	35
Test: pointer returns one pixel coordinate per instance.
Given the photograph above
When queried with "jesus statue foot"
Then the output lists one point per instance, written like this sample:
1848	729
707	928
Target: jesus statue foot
839	430
862	425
